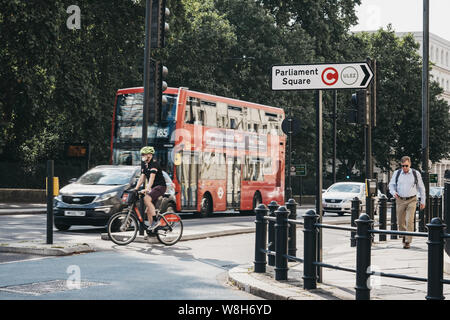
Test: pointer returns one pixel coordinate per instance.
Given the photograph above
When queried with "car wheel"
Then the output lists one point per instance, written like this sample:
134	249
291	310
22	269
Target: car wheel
62	227
206	206
257	200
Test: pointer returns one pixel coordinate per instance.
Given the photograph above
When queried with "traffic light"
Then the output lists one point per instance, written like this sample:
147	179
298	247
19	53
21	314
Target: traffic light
158	23
360	104
158	73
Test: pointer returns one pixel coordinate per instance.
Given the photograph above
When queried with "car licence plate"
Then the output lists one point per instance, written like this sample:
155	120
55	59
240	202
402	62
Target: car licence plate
75	213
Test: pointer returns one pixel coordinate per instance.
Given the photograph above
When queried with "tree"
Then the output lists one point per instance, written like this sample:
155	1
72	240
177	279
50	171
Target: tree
399	114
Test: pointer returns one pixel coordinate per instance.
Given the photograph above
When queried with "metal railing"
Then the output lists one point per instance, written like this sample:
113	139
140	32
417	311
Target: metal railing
279	226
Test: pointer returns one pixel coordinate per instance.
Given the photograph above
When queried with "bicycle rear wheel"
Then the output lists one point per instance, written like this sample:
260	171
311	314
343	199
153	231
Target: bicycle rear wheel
121	230
170	230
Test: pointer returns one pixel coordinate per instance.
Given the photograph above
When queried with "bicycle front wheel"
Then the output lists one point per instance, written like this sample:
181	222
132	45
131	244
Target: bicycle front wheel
122	228
170	229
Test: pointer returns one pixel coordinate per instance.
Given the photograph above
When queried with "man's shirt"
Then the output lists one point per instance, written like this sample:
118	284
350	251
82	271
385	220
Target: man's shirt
405	186
147	167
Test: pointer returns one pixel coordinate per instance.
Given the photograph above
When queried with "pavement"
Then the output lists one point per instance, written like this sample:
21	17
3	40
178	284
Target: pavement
387	256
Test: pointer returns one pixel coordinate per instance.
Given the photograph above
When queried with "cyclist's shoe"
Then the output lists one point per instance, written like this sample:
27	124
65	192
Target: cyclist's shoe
154	225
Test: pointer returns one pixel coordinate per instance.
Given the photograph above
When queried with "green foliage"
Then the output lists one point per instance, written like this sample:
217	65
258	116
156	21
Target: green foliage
58	85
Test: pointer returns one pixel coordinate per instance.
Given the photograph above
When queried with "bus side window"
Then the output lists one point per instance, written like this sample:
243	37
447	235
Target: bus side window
233	124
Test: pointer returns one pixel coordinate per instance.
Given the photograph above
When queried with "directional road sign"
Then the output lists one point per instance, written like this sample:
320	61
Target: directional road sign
298	170
354	75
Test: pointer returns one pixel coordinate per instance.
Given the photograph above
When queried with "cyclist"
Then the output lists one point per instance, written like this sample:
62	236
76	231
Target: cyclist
156	187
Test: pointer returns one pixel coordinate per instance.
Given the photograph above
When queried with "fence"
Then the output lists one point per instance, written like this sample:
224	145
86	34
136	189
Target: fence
275	238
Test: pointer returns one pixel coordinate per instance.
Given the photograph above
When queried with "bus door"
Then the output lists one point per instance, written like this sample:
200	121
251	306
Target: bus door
233	182
188	178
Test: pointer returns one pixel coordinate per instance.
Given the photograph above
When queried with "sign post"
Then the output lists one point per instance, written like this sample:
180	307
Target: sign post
322	76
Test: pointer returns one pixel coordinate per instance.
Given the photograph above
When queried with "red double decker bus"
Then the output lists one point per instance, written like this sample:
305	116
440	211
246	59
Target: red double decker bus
221	153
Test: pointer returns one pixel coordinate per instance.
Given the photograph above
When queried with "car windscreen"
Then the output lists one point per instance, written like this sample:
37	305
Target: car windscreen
106	177
350	188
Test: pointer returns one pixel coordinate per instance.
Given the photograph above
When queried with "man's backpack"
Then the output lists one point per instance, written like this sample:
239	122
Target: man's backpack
398	175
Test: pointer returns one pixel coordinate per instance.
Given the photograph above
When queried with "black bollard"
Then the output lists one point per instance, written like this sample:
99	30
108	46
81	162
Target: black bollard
394	226
421	220
435	259
439	208
291	205
433	207
355	214
281	243
382	218
260	239
363	256
309	250
273	206
50	174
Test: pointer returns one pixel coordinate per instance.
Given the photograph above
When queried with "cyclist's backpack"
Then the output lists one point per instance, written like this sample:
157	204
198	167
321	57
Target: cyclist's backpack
398	175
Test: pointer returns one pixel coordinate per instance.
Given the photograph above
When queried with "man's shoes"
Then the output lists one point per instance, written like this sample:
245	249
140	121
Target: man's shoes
406	245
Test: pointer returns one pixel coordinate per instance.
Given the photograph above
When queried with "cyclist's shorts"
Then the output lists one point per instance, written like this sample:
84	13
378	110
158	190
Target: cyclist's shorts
156	192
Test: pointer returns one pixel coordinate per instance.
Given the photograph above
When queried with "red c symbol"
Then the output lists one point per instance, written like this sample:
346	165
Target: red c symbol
330	76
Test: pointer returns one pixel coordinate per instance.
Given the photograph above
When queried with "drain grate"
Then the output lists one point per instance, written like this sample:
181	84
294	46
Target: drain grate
39	288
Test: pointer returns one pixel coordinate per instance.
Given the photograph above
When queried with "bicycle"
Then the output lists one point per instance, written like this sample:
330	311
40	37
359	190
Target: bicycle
123	226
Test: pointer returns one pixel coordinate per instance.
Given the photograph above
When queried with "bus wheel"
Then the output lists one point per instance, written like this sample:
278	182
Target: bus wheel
257	200
206	207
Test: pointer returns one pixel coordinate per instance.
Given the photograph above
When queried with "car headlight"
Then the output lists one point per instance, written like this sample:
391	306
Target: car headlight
107	196
59	197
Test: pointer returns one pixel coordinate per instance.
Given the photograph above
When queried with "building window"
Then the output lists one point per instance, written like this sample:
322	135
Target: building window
432	53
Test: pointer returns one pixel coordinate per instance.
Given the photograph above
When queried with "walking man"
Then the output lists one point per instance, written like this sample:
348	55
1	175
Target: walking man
404	185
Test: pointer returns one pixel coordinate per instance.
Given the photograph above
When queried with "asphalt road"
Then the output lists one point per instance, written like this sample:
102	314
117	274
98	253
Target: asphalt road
192	270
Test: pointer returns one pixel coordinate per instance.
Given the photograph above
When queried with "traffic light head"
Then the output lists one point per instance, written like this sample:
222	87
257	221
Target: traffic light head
158	23
359	108
158	73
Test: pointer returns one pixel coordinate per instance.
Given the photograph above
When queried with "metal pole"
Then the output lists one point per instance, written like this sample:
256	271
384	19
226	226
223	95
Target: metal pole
382	212
273	206
289	186
446	205
281	244
393	218
319	134
435	259
355	214
363	257
291	205
309	250
425	103
260	239
147	66
50	174
334	134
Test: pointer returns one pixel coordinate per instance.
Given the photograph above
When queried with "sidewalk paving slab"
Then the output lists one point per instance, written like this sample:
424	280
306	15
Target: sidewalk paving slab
41	248
387	257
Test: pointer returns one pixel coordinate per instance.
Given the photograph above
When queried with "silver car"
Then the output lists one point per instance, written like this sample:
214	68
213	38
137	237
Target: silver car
338	197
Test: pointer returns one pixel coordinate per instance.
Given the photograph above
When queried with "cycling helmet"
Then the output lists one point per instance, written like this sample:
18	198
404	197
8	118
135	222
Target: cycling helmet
147	150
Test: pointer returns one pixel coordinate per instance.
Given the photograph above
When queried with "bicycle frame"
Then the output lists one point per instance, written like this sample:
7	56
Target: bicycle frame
165	220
